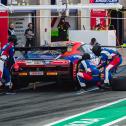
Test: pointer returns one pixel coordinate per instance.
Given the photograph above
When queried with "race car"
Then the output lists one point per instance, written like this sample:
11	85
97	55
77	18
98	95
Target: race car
54	63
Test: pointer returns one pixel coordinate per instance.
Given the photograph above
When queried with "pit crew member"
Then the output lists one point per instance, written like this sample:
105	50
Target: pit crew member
87	72
109	60
7	60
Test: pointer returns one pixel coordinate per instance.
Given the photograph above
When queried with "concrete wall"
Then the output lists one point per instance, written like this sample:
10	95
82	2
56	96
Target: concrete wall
45	24
85	12
123	2
31	2
74	1
106	38
37	29
124	28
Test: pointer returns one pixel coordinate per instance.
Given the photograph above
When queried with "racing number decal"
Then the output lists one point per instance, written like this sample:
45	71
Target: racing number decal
75	69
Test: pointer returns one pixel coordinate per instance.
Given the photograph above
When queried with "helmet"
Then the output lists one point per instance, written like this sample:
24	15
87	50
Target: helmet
96	50
93	41
13	39
86	56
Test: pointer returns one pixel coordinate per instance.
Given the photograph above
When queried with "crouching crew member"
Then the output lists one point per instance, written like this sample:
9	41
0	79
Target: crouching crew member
88	72
7	60
109	60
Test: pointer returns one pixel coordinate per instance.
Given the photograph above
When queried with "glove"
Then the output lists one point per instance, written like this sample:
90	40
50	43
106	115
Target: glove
88	70
4	57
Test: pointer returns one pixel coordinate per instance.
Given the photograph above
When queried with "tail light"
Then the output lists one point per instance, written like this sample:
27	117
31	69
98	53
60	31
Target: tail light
16	67
65	62
18	64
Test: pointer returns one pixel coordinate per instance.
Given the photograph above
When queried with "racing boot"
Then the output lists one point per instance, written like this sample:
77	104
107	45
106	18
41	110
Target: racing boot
8	89
1	88
1	84
106	86
99	85
82	90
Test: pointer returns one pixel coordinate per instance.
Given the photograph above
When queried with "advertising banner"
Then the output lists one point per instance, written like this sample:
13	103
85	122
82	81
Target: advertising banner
104	1
98	20
3	28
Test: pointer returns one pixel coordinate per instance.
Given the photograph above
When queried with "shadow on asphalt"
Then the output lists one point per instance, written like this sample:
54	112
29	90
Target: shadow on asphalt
57	89
53	87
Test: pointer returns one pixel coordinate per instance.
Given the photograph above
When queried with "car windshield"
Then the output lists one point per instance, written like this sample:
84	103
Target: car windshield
45	52
39	54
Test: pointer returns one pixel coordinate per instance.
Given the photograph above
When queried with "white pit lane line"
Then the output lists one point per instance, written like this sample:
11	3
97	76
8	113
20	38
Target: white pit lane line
115	121
94	109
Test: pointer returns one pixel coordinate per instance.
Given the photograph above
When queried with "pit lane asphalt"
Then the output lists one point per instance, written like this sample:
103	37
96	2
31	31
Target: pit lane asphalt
49	103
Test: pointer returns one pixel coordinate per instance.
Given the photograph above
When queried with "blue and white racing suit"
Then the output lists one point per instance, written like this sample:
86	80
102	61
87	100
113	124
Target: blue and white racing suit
110	60
88	49
88	72
7	54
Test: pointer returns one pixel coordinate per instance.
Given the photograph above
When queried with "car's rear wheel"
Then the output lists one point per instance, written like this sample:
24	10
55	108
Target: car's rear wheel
75	81
119	83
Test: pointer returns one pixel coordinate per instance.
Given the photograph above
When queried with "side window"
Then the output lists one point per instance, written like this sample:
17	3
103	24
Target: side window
53	2
81	49
69	47
4	2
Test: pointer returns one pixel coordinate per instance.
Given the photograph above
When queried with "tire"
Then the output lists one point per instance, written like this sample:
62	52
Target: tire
119	83
119	79
78	65
76	83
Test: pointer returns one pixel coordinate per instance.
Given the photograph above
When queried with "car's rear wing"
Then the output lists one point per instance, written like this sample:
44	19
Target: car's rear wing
63	48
